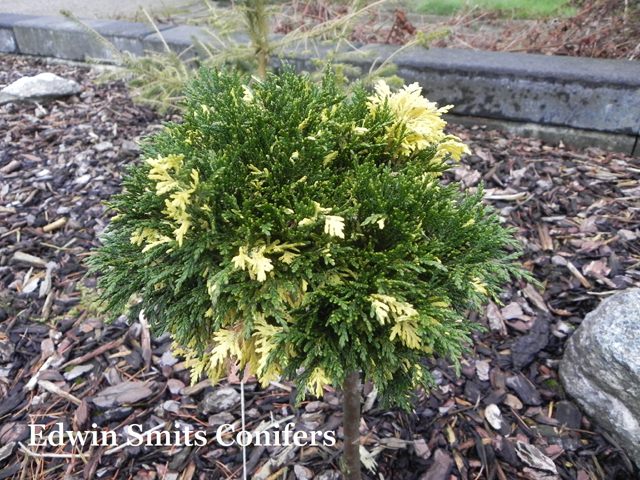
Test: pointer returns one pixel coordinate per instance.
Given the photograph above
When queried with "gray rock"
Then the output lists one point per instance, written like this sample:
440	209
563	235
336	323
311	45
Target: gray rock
601	368
220	400
532	456
42	87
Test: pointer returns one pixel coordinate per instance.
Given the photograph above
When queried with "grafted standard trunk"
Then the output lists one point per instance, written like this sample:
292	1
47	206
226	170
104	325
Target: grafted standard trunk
351	426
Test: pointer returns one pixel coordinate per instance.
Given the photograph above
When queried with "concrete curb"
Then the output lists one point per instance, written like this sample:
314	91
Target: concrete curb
577	100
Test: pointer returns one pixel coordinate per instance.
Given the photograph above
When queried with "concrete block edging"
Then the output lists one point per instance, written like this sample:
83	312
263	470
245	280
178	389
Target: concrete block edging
592	99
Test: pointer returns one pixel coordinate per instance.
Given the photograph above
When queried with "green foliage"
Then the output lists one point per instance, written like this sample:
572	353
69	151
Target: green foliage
289	226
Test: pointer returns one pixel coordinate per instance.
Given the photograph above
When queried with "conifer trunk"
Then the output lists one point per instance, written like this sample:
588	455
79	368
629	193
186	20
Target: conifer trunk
263	59
351	426
257	23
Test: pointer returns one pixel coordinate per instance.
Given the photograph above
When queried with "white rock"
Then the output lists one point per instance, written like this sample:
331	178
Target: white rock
7	450
45	86
103	147
47	348
7	349
302	473
31	286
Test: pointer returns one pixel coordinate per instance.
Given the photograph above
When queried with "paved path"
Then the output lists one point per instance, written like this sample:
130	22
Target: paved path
104	9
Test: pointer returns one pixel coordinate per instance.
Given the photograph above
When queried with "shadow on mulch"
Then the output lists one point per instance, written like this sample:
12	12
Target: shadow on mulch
576	214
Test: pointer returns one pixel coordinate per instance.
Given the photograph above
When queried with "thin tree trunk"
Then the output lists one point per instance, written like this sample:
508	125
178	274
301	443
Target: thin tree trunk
262	62
258	29
351	426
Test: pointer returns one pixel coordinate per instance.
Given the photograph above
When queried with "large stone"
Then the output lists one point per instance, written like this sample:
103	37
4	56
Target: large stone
42	87
601	368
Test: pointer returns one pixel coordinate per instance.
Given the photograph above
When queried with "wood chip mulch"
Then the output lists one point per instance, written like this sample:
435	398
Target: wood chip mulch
504	417
598	28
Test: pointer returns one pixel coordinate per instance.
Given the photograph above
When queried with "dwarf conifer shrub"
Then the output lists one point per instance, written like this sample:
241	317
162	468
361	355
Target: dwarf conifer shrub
304	232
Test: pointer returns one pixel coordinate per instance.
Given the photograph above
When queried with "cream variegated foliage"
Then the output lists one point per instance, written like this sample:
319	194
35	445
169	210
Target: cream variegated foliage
479	286
418	122
150	236
229	347
160	172
164	172
451	145
404	318
317	381
334	226
264	341
386	307
257	264
254	261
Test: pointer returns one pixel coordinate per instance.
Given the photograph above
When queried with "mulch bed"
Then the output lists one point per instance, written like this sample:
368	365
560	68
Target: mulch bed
599	29
576	214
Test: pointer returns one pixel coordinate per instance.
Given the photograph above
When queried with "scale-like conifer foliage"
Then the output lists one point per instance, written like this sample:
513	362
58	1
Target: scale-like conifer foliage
287	226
